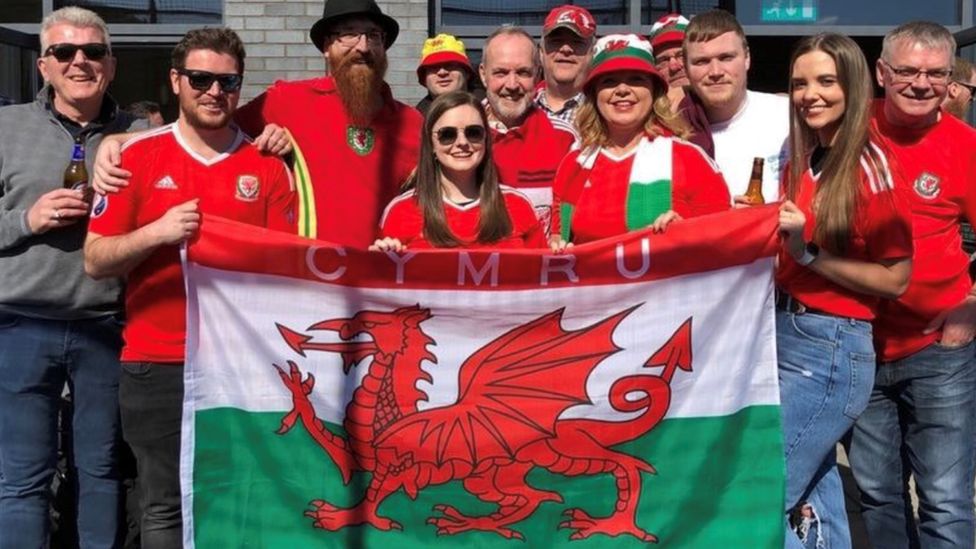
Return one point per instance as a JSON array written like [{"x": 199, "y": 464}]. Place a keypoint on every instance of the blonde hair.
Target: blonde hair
[
  {"x": 839, "y": 185},
  {"x": 76, "y": 17},
  {"x": 593, "y": 128}
]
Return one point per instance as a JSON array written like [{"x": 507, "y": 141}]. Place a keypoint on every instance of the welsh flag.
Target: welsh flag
[{"x": 622, "y": 394}]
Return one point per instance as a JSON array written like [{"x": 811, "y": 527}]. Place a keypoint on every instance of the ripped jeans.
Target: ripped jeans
[{"x": 826, "y": 371}]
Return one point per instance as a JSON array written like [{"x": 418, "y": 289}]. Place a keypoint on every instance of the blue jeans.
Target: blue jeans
[
  {"x": 826, "y": 368},
  {"x": 36, "y": 358},
  {"x": 919, "y": 422}
]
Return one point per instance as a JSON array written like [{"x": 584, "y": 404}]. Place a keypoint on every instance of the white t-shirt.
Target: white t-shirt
[{"x": 760, "y": 128}]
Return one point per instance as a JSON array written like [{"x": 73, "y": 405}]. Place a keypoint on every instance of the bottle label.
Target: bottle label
[{"x": 78, "y": 153}]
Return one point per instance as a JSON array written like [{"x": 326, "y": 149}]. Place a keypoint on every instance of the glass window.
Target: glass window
[
  {"x": 652, "y": 10},
  {"x": 152, "y": 11},
  {"x": 21, "y": 11},
  {"x": 847, "y": 13},
  {"x": 525, "y": 12}
]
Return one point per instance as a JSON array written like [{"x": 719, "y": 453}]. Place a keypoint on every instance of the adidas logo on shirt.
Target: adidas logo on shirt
[{"x": 166, "y": 183}]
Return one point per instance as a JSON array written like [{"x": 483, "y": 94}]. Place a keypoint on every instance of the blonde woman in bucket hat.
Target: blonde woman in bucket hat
[{"x": 634, "y": 169}]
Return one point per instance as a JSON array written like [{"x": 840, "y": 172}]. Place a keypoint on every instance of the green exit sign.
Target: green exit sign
[{"x": 788, "y": 11}]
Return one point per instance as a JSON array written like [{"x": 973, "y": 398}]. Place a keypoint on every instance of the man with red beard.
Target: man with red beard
[
  {"x": 200, "y": 165},
  {"x": 526, "y": 145},
  {"x": 355, "y": 145}
]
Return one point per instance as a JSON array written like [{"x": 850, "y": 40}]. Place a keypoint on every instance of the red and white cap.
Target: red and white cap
[
  {"x": 574, "y": 18},
  {"x": 669, "y": 29}
]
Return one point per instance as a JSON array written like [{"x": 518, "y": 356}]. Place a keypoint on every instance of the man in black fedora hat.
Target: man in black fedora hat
[{"x": 355, "y": 144}]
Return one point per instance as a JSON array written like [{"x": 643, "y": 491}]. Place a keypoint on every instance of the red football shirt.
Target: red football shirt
[
  {"x": 528, "y": 156},
  {"x": 938, "y": 164},
  {"x": 697, "y": 188},
  {"x": 403, "y": 220},
  {"x": 240, "y": 184},
  {"x": 354, "y": 172},
  {"x": 881, "y": 230}
]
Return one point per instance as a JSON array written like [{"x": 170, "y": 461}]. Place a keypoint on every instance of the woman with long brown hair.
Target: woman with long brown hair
[
  {"x": 634, "y": 170},
  {"x": 453, "y": 198},
  {"x": 847, "y": 244}
]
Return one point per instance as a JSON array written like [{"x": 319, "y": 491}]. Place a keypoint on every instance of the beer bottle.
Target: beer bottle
[
  {"x": 754, "y": 192},
  {"x": 76, "y": 175}
]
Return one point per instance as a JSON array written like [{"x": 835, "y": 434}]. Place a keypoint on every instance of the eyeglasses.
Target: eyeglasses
[
  {"x": 66, "y": 52},
  {"x": 665, "y": 60},
  {"x": 970, "y": 87},
  {"x": 351, "y": 38},
  {"x": 447, "y": 135},
  {"x": 909, "y": 74},
  {"x": 202, "y": 80}
]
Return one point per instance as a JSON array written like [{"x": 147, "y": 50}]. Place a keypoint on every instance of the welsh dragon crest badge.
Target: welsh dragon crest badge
[{"x": 360, "y": 139}]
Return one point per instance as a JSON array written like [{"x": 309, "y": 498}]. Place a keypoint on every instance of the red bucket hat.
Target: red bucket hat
[{"x": 622, "y": 52}]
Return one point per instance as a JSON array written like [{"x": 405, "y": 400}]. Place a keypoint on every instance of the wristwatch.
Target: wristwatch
[{"x": 810, "y": 253}]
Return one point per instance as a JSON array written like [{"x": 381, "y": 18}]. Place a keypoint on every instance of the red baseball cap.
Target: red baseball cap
[{"x": 574, "y": 18}]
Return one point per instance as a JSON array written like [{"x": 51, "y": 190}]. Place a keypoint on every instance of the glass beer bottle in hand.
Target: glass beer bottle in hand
[
  {"x": 76, "y": 174},
  {"x": 754, "y": 192}
]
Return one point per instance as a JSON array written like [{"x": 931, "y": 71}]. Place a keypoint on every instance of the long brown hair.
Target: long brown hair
[
  {"x": 592, "y": 126},
  {"x": 839, "y": 185},
  {"x": 494, "y": 223}
]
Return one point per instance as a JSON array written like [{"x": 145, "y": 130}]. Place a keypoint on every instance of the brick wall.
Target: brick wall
[{"x": 278, "y": 46}]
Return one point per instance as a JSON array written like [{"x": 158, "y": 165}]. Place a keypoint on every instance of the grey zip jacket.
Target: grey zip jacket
[{"x": 43, "y": 276}]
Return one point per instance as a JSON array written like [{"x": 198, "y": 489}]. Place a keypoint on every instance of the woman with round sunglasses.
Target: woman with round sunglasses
[
  {"x": 634, "y": 170},
  {"x": 847, "y": 244},
  {"x": 453, "y": 198}
]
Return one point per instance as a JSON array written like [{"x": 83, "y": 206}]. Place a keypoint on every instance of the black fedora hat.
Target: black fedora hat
[{"x": 337, "y": 9}]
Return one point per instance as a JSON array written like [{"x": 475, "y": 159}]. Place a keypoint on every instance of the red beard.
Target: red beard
[{"x": 359, "y": 79}]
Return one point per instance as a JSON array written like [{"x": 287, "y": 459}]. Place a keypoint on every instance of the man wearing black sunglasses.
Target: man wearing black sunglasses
[
  {"x": 199, "y": 166},
  {"x": 56, "y": 324}
]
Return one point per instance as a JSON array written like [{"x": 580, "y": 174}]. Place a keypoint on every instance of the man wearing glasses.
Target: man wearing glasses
[
  {"x": 961, "y": 89},
  {"x": 920, "y": 418},
  {"x": 355, "y": 144},
  {"x": 667, "y": 37},
  {"x": 200, "y": 165},
  {"x": 56, "y": 324}
]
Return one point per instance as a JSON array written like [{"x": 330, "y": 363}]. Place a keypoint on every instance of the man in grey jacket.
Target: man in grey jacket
[{"x": 56, "y": 324}]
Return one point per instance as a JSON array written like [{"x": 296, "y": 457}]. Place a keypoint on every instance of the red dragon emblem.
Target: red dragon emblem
[{"x": 505, "y": 422}]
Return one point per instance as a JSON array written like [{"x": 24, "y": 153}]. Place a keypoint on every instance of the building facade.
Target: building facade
[{"x": 278, "y": 47}]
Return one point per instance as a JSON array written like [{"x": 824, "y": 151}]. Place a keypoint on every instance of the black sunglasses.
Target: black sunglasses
[
  {"x": 447, "y": 135},
  {"x": 66, "y": 52},
  {"x": 202, "y": 80}
]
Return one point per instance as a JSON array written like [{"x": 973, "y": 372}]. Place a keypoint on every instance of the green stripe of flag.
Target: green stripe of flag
[{"x": 719, "y": 483}]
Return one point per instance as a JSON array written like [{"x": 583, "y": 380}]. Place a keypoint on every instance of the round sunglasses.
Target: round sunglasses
[
  {"x": 66, "y": 52},
  {"x": 447, "y": 135},
  {"x": 202, "y": 80}
]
